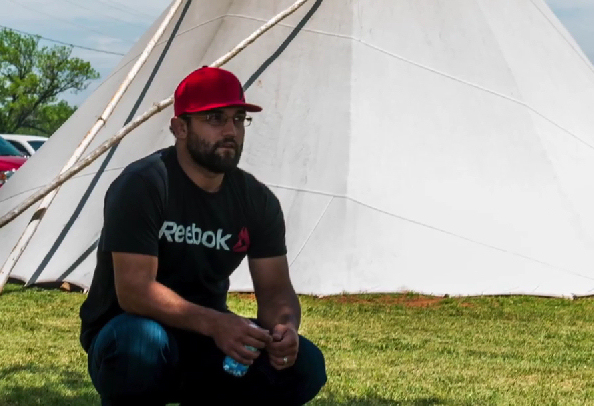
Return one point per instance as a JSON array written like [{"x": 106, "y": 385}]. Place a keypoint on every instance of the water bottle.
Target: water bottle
[{"x": 235, "y": 368}]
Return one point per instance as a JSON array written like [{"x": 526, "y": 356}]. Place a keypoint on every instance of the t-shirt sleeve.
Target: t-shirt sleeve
[
  {"x": 133, "y": 214},
  {"x": 268, "y": 231}
]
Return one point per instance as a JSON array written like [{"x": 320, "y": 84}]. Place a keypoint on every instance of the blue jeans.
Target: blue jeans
[{"x": 135, "y": 360}]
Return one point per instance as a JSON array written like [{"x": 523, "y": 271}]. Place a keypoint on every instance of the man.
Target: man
[{"x": 176, "y": 224}]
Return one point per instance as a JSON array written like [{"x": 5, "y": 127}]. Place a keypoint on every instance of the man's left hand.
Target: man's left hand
[{"x": 284, "y": 347}]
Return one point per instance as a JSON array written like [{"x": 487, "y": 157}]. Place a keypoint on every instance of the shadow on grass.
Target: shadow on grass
[
  {"x": 71, "y": 388},
  {"x": 375, "y": 400},
  {"x": 74, "y": 388},
  {"x": 18, "y": 286},
  {"x": 13, "y": 286}
]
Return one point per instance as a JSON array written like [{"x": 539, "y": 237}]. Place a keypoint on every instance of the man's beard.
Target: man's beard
[{"x": 205, "y": 154}]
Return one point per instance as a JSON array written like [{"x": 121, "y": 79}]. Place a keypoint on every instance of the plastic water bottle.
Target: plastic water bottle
[{"x": 235, "y": 368}]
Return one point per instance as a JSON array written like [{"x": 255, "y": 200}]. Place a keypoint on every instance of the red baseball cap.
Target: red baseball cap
[{"x": 210, "y": 88}]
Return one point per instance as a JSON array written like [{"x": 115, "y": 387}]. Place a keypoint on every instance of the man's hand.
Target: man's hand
[
  {"x": 283, "y": 349},
  {"x": 231, "y": 333}
]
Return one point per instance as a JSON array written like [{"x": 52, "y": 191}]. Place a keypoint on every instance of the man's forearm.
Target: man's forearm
[
  {"x": 282, "y": 308},
  {"x": 160, "y": 303}
]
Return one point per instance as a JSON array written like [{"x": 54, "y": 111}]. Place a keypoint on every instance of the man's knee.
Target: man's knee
[
  {"x": 312, "y": 369},
  {"x": 132, "y": 355}
]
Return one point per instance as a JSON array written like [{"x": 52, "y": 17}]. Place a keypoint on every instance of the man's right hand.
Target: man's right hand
[{"x": 231, "y": 333}]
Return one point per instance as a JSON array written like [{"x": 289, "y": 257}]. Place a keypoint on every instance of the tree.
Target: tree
[{"x": 31, "y": 78}]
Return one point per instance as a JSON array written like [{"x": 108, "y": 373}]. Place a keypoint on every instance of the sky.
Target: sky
[{"x": 113, "y": 26}]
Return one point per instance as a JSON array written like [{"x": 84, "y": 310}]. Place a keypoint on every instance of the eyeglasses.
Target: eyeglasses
[{"x": 219, "y": 119}]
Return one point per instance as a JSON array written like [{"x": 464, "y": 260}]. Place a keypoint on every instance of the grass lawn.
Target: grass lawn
[{"x": 380, "y": 349}]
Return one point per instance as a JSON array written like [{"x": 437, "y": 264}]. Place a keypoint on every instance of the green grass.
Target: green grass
[{"x": 380, "y": 349}]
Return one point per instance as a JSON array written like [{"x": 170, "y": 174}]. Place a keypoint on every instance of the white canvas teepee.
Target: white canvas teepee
[{"x": 440, "y": 147}]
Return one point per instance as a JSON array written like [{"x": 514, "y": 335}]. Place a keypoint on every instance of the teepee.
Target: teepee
[{"x": 442, "y": 147}]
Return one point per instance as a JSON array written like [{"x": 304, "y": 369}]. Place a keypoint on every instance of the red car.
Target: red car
[{"x": 10, "y": 160}]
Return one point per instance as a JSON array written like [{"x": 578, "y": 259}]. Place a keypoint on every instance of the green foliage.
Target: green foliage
[
  {"x": 31, "y": 78},
  {"x": 406, "y": 350}
]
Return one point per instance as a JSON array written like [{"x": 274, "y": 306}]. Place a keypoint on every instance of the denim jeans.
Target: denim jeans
[{"x": 135, "y": 360}]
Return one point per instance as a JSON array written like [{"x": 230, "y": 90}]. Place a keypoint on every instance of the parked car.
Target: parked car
[
  {"x": 27, "y": 144},
  {"x": 11, "y": 159}
]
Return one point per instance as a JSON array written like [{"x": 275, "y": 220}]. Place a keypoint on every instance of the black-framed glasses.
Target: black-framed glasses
[{"x": 219, "y": 119}]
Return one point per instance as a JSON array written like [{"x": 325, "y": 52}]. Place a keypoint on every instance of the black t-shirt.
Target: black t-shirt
[{"x": 200, "y": 238}]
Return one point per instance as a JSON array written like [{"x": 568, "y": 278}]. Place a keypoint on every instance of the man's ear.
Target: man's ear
[{"x": 179, "y": 127}]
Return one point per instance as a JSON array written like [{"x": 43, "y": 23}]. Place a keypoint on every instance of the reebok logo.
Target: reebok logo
[
  {"x": 243, "y": 241},
  {"x": 194, "y": 235}
]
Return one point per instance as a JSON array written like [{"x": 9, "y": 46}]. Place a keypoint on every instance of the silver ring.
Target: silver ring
[{"x": 285, "y": 360}]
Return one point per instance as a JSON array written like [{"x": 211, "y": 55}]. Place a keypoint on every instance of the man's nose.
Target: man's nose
[{"x": 230, "y": 128}]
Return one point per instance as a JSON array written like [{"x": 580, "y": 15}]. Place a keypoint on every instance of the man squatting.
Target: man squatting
[{"x": 177, "y": 223}]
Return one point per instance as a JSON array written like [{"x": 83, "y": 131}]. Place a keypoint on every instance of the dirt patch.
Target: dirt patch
[
  {"x": 246, "y": 296},
  {"x": 392, "y": 299},
  {"x": 404, "y": 299}
]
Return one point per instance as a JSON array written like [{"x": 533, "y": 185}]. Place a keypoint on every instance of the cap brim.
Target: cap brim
[{"x": 252, "y": 108}]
